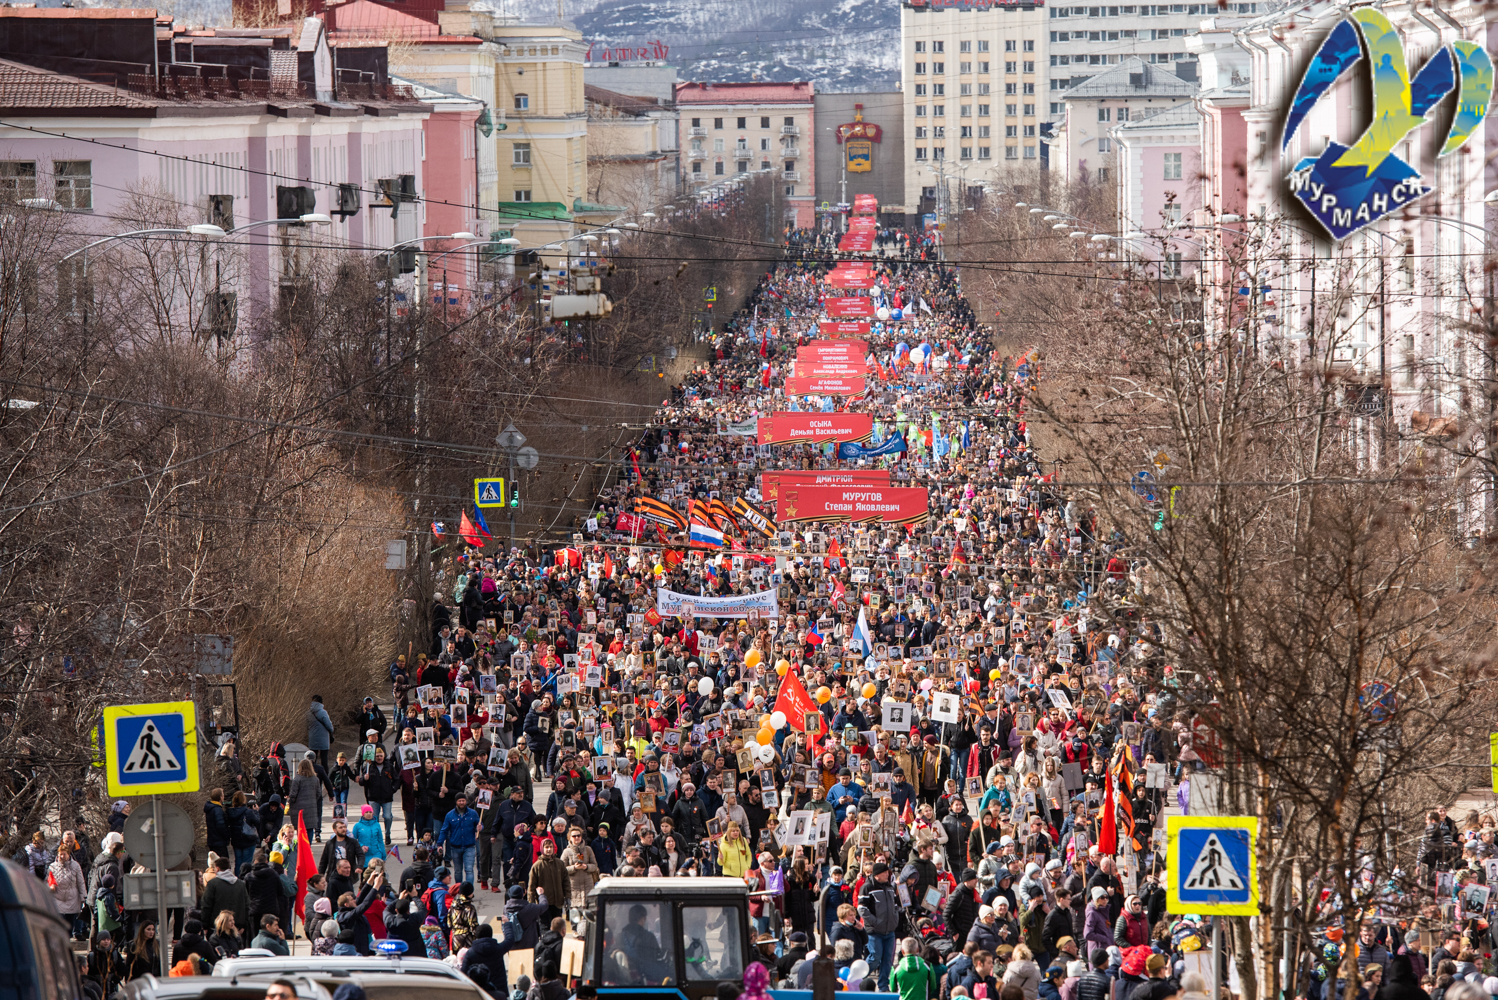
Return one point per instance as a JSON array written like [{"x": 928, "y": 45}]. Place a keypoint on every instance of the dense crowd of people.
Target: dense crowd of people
[{"x": 938, "y": 763}]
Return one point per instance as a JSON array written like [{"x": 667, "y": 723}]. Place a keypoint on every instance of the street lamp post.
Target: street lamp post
[{"x": 204, "y": 230}]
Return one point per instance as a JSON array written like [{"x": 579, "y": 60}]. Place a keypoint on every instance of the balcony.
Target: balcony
[
  {"x": 790, "y": 176},
  {"x": 697, "y": 132},
  {"x": 741, "y": 150},
  {"x": 790, "y": 152},
  {"x": 697, "y": 154},
  {"x": 790, "y": 130}
]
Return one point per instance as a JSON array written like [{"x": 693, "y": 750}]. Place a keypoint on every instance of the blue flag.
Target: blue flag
[{"x": 850, "y": 450}]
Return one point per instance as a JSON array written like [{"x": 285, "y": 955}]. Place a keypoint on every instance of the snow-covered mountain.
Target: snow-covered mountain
[{"x": 840, "y": 45}]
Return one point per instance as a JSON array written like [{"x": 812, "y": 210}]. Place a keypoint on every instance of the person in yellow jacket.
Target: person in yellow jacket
[{"x": 735, "y": 856}]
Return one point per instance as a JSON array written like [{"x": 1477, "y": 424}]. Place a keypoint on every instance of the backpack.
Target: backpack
[
  {"x": 510, "y": 929},
  {"x": 109, "y": 911},
  {"x": 249, "y": 828},
  {"x": 430, "y": 898}
]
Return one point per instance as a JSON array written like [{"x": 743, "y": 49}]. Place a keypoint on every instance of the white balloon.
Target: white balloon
[
  {"x": 767, "y": 753},
  {"x": 777, "y": 720},
  {"x": 882, "y": 313},
  {"x": 858, "y": 970},
  {"x": 705, "y": 686}
]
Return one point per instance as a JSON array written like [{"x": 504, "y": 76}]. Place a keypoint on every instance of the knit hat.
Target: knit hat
[
  {"x": 323, "y": 906},
  {"x": 968, "y": 874},
  {"x": 329, "y": 928},
  {"x": 277, "y": 858}
]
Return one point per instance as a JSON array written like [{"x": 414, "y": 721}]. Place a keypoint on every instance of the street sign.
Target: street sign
[
  {"x": 1211, "y": 866},
  {"x": 1493, "y": 759},
  {"x": 510, "y": 438},
  {"x": 489, "y": 492},
  {"x": 527, "y": 457},
  {"x": 140, "y": 891},
  {"x": 151, "y": 749},
  {"x": 177, "y": 830}
]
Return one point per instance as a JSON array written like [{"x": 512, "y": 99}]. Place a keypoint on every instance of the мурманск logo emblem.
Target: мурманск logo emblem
[{"x": 1349, "y": 187}]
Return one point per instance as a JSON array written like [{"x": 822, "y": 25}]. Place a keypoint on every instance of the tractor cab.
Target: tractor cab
[{"x": 663, "y": 937}]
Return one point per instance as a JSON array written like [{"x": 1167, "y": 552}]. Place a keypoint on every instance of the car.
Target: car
[
  {"x": 151, "y": 987},
  {"x": 659, "y": 937},
  {"x": 332, "y": 966},
  {"x": 36, "y": 953}
]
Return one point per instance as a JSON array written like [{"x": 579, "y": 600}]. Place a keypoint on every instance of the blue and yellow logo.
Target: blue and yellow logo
[{"x": 1349, "y": 187}]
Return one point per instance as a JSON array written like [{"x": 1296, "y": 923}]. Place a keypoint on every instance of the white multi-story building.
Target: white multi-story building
[
  {"x": 975, "y": 78},
  {"x": 737, "y": 128}
]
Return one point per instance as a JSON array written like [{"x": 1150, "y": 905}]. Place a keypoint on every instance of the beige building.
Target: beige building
[
  {"x": 975, "y": 81},
  {"x": 1125, "y": 93},
  {"x": 631, "y": 150},
  {"x": 738, "y": 128}
]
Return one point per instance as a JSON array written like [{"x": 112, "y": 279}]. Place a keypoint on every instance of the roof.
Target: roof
[
  {"x": 744, "y": 93},
  {"x": 612, "y": 885},
  {"x": 1132, "y": 77},
  {"x": 1184, "y": 114},
  {"x": 26, "y": 90},
  {"x": 551, "y": 211},
  {"x": 363, "y": 20},
  {"x": 439, "y": 99},
  {"x": 626, "y": 103}
]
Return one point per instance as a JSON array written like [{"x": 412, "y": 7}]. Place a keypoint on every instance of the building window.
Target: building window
[
  {"x": 764, "y": 164},
  {"x": 938, "y": 90},
  {"x": 764, "y": 121},
  {"x": 717, "y": 123},
  {"x": 743, "y": 166},
  {"x": 965, "y": 132},
  {"x": 983, "y": 68},
  {"x": 1029, "y": 65},
  {"x": 790, "y": 120},
  {"x": 790, "y": 165},
  {"x": 920, "y": 69},
  {"x": 718, "y": 169},
  {"x": 1029, "y": 109},
  {"x": 1057, "y": 108},
  {"x": 1029, "y": 45},
  {"x": 743, "y": 123},
  {"x": 938, "y": 67},
  {"x": 966, "y": 153},
  {"x": 522, "y": 102},
  {"x": 1011, "y": 109},
  {"x": 983, "y": 111},
  {"x": 696, "y": 122},
  {"x": 1170, "y": 267},
  {"x": 1029, "y": 152},
  {"x": 1105, "y": 114},
  {"x": 966, "y": 67},
  {"x": 1011, "y": 88},
  {"x": 1011, "y": 152},
  {"x": 1009, "y": 44},
  {"x": 1011, "y": 131},
  {"x": 964, "y": 46},
  {"x": 982, "y": 45},
  {"x": 939, "y": 132},
  {"x": 17, "y": 179},
  {"x": 764, "y": 144},
  {"x": 920, "y": 90},
  {"x": 964, "y": 110},
  {"x": 1029, "y": 88},
  {"x": 1123, "y": 114},
  {"x": 1172, "y": 166},
  {"x": 920, "y": 111},
  {"x": 1105, "y": 145},
  {"x": 1010, "y": 65},
  {"x": 1171, "y": 214},
  {"x": 717, "y": 145},
  {"x": 985, "y": 153},
  {"x": 72, "y": 184},
  {"x": 939, "y": 153},
  {"x": 938, "y": 46},
  {"x": 939, "y": 110},
  {"x": 1102, "y": 174},
  {"x": 696, "y": 168},
  {"x": 1029, "y": 131},
  {"x": 920, "y": 152},
  {"x": 983, "y": 131},
  {"x": 524, "y": 195},
  {"x": 790, "y": 190},
  {"x": 920, "y": 46},
  {"x": 920, "y": 131},
  {"x": 521, "y": 155}
]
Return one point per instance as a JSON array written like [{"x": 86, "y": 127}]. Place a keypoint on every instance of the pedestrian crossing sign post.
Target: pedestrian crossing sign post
[
  {"x": 151, "y": 749},
  {"x": 1212, "y": 865},
  {"x": 489, "y": 492}
]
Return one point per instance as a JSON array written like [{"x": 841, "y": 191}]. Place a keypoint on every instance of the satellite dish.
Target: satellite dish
[{"x": 527, "y": 457}]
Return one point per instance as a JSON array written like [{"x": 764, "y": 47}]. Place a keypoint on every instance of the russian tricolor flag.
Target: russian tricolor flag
[
  {"x": 862, "y": 634},
  {"x": 704, "y": 534}
]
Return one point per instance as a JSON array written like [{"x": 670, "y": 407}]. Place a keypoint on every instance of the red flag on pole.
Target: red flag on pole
[
  {"x": 1107, "y": 838},
  {"x": 306, "y": 868},
  {"x": 469, "y": 533},
  {"x": 796, "y": 704}
]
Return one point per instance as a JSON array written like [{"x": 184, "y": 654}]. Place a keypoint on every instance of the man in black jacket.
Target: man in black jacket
[
  {"x": 1058, "y": 923},
  {"x": 961, "y": 911},
  {"x": 489, "y": 952},
  {"x": 879, "y": 906},
  {"x": 373, "y": 717},
  {"x": 1097, "y": 984}
]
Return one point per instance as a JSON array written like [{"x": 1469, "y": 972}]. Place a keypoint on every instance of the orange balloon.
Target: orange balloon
[
  {"x": 824, "y": 695},
  {"x": 753, "y": 658},
  {"x": 764, "y": 721},
  {"x": 869, "y": 690},
  {"x": 782, "y": 667},
  {"x": 764, "y": 736}
]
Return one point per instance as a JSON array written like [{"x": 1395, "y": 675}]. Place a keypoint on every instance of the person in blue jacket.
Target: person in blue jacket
[
  {"x": 844, "y": 795},
  {"x": 459, "y": 836}
]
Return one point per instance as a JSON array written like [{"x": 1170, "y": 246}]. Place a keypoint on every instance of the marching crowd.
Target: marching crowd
[{"x": 939, "y": 765}]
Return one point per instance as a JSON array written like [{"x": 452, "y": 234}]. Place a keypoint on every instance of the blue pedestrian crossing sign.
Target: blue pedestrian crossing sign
[
  {"x": 1212, "y": 865},
  {"x": 489, "y": 492},
  {"x": 151, "y": 749}
]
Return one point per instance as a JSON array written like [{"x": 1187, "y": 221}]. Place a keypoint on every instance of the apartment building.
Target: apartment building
[
  {"x": 736, "y": 128},
  {"x": 1126, "y": 92},
  {"x": 975, "y": 79}
]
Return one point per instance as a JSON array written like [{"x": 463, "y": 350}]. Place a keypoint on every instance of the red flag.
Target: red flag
[
  {"x": 797, "y": 704},
  {"x": 908, "y": 816},
  {"x": 306, "y": 868},
  {"x": 634, "y": 456},
  {"x": 469, "y": 533},
  {"x": 1107, "y": 838},
  {"x": 608, "y": 567}
]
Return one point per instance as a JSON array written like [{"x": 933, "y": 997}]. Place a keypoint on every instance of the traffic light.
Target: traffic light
[{"x": 515, "y": 497}]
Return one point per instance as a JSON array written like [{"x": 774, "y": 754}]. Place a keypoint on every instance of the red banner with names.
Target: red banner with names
[
  {"x": 852, "y": 306},
  {"x": 771, "y": 483},
  {"x": 857, "y": 504},
  {"x": 826, "y": 385},
  {"x": 806, "y": 428},
  {"x": 858, "y": 328}
]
